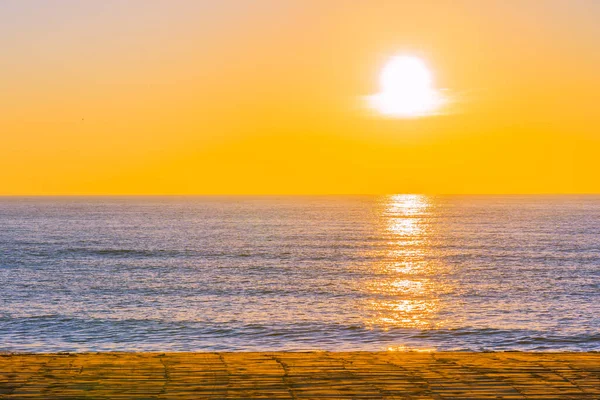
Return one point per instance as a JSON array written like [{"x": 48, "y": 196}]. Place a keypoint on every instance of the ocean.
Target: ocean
[{"x": 399, "y": 272}]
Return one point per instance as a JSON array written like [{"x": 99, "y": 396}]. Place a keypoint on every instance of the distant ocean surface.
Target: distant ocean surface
[{"x": 297, "y": 273}]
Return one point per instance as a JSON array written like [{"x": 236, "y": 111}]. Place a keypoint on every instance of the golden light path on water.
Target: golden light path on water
[{"x": 405, "y": 294}]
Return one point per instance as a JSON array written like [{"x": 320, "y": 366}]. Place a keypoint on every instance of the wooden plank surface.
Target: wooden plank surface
[{"x": 312, "y": 375}]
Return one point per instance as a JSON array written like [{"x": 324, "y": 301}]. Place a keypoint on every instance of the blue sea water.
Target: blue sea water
[{"x": 296, "y": 273}]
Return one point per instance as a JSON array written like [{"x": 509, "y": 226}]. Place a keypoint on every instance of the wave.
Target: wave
[{"x": 78, "y": 334}]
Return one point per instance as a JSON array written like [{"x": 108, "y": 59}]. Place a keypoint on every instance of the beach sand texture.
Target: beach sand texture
[{"x": 306, "y": 375}]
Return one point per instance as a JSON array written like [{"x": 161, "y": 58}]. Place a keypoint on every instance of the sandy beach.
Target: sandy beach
[{"x": 295, "y": 375}]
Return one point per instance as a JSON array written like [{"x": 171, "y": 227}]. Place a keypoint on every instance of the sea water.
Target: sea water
[{"x": 394, "y": 272}]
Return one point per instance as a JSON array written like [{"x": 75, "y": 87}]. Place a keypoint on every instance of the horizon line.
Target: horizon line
[{"x": 295, "y": 194}]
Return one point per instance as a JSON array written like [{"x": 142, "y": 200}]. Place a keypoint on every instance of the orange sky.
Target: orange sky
[{"x": 266, "y": 97}]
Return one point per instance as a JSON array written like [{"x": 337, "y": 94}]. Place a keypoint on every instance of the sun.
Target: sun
[{"x": 406, "y": 89}]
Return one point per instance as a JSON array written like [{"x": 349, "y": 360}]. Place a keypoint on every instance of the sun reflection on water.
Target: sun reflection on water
[
  {"x": 403, "y": 348},
  {"x": 404, "y": 293}
]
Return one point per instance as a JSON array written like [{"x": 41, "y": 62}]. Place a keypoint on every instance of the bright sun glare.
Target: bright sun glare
[{"x": 407, "y": 89}]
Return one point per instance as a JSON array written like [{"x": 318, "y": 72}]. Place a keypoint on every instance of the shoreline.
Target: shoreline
[
  {"x": 311, "y": 351},
  {"x": 294, "y": 375}
]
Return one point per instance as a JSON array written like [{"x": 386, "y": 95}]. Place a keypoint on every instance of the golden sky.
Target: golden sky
[{"x": 267, "y": 97}]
